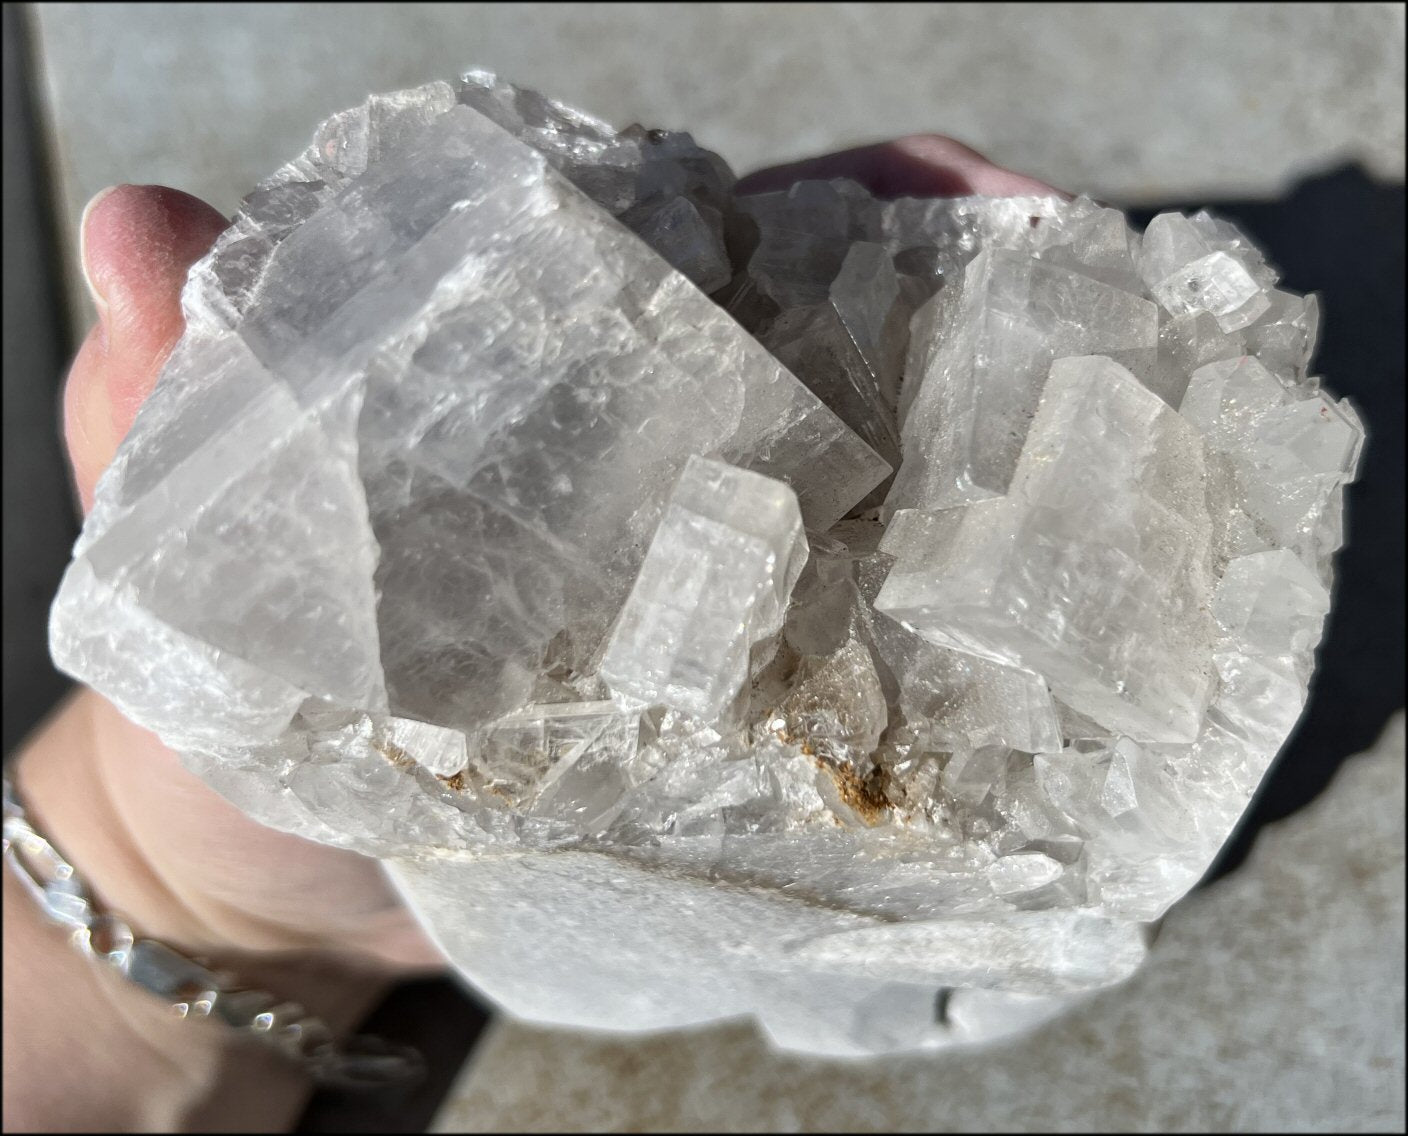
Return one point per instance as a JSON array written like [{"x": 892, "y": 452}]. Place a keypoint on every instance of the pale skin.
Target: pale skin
[{"x": 324, "y": 927}]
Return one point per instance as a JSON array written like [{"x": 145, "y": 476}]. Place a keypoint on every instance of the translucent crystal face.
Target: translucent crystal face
[{"x": 836, "y": 599}]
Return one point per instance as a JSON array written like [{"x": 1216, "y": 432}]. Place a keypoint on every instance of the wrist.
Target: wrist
[
  {"x": 169, "y": 1072},
  {"x": 185, "y": 866},
  {"x": 85, "y": 1050}
]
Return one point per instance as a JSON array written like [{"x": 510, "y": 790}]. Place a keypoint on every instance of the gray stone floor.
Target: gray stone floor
[
  {"x": 1273, "y": 1001},
  {"x": 1131, "y": 102}
]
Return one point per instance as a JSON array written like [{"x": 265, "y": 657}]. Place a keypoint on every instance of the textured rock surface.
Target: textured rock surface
[
  {"x": 1272, "y": 1001},
  {"x": 464, "y": 528}
]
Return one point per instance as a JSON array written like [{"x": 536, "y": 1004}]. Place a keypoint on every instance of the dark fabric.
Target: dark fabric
[
  {"x": 441, "y": 1019},
  {"x": 40, "y": 523}
]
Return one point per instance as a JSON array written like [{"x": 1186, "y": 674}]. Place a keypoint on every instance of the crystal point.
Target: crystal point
[
  {"x": 1056, "y": 576},
  {"x": 965, "y": 427}
]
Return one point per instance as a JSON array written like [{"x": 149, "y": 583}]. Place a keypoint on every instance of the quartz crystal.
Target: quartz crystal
[
  {"x": 1011, "y": 317},
  {"x": 869, "y": 616},
  {"x": 1200, "y": 264}
]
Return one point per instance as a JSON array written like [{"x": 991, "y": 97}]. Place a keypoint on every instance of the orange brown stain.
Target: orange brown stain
[
  {"x": 395, "y": 754},
  {"x": 866, "y": 797}
]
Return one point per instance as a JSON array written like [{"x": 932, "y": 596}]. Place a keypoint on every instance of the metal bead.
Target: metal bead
[
  {"x": 41, "y": 859},
  {"x": 278, "y": 1016},
  {"x": 304, "y": 1036},
  {"x": 240, "y": 1007},
  {"x": 67, "y": 905},
  {"x": 162, "y": 971},
  {"x": 200, "y": 1005},
  {"x": 111, "y": 938}
]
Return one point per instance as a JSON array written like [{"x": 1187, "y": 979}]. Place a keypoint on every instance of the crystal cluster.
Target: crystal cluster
[{"x": 867, "y": 615}]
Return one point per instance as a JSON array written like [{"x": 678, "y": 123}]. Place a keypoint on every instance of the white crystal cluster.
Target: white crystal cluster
[{"x": 794, "y": 604}]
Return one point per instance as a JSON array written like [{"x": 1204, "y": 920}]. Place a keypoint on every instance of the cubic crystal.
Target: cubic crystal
[
  {"x": 1094, "y": 571},
  {"x": 966, "y": 425},
  {"x": 1198, "y": 264}
]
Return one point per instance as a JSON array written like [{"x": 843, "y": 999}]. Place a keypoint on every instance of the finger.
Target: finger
[
  {"x": 136, "y": 243},
  {"x": 918, "y": 165}
]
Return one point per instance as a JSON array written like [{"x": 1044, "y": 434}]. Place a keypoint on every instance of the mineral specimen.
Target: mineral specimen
[{"x": 865, "y": 615}]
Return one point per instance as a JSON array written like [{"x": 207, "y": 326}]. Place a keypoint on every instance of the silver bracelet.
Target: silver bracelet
[{"x": 192, "y": 989}]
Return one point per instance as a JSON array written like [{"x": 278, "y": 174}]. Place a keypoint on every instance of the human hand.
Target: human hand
[
  {"x": 160, "y": 847},
  {"x": 918, "y": 165},
  {"x": 225, "y": 881}
]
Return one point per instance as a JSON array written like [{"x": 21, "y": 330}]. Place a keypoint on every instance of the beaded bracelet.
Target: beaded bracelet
[{"x": 193, "y": 989}]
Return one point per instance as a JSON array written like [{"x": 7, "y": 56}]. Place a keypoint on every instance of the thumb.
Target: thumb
[{"x": 136, "y": 243}]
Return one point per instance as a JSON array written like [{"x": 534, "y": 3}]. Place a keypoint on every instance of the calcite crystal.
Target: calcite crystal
[
  {"x": 714, "y": 583},
  {"x": 1103, "y": 593},
  {"x": 866, "y": 615}
]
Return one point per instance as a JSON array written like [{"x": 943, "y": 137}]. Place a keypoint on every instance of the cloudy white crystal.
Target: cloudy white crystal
[
  {"x": 1016, "y": 314},
  {"x": 1102, "y": 592},
  {"x": 918, "y": 609},
  {"x": 714, "y": 583},
  {"x": 1199, "y": 264}
]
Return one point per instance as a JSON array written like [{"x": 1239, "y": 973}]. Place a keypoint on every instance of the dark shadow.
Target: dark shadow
[
  {"x": 1342, "y": 234},
  {"x": 437, "y": 1016},
  {"x": 40, "y": 522}
]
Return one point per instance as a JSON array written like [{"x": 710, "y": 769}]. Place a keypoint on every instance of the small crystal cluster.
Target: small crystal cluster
[{"x": 794, "y": 603}]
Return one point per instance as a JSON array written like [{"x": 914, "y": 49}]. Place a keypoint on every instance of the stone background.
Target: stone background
[
  {"x": 1143, "y": 103},
  {"x": 1275, "y": 996},
  {"x": 1140, "y": 104}
]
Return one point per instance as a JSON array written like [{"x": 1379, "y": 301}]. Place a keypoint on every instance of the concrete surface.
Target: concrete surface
[
  {"x": 1273, "y": 1001},
  {"x": 1132, "y": 102}
]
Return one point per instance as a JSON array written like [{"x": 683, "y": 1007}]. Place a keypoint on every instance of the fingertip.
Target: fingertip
[
  {"x": 137, "y": 241},
  {"x": 916, "y": 165},
  {"x": 957, "y": 162},
  {"x": 84, "y": 257}
]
